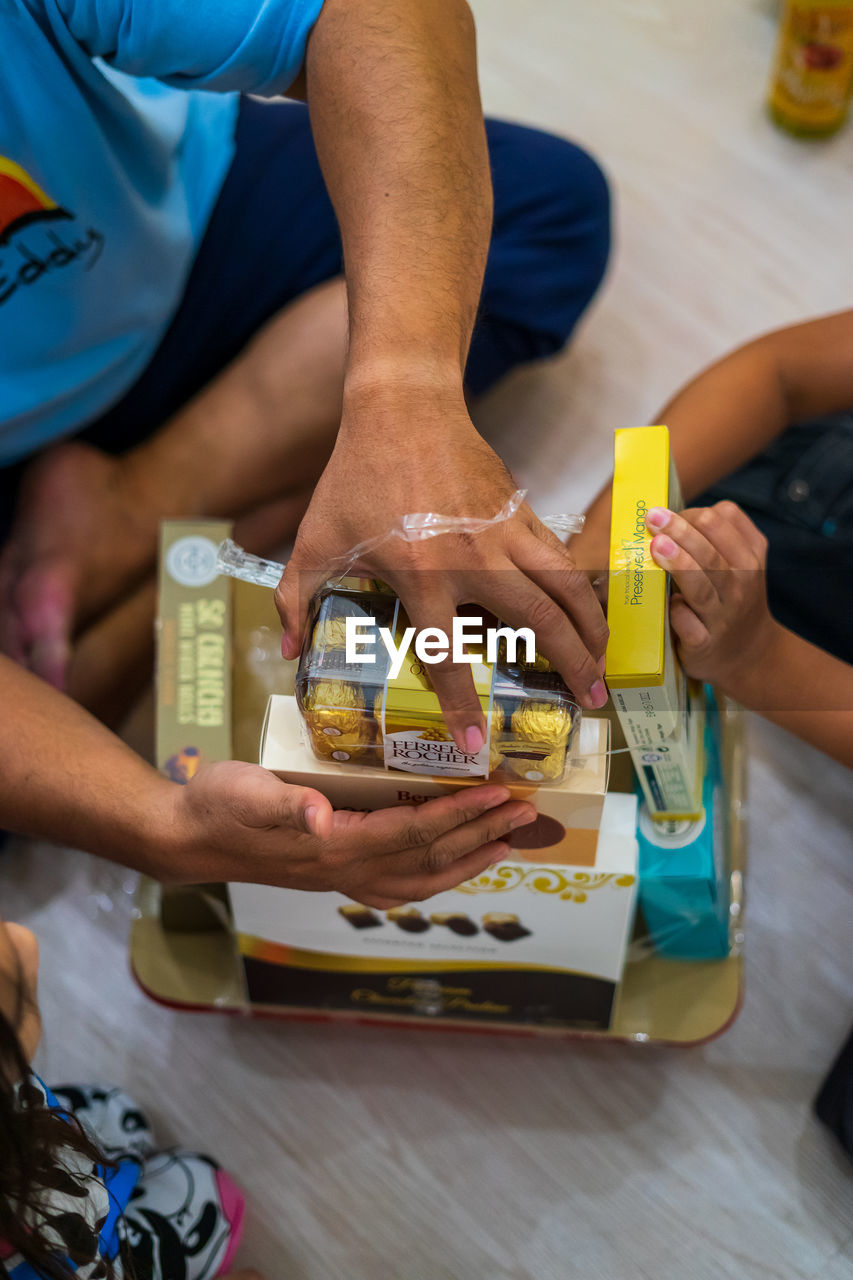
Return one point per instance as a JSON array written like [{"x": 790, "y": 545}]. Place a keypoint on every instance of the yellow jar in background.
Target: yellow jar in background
[{"x": 812, "y": 78}]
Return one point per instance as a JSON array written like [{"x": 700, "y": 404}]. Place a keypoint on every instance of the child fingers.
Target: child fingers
[
  {"x": 690, "y": 630},
  {"x": 750, "y": 534},
  {"x": 692, "y": 536},
  {"x": 694, "y": 582},
  {"x": 725, "y": 538}
]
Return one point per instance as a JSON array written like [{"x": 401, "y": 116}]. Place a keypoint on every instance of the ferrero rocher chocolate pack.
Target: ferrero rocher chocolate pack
[{"x": 368, "y": 713}]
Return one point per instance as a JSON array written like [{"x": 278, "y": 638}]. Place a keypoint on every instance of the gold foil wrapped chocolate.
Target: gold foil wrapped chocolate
[
  {"x": 539, "y": 663},
  {"x": 330, "y": 634},
  {"x": 547, "y": 723},
  {"x": 537, "y": 751},
  {"x": 335, "y": 707},
  {"x": 495, "y": 746},
  {"x": 336, "y": 720}
]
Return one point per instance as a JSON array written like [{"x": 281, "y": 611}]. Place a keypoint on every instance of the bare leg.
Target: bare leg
[
  {"x": 112, "y": 662},
  {"x": 266, "y": 426},
  {"x": 249, "y": 444}
]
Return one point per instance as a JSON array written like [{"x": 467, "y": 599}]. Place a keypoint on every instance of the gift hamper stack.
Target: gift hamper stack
[{"x": 618, "y": 911}]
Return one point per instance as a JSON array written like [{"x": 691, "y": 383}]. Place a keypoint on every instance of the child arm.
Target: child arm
[
  {"x": 727, "y": 635},
  {"x": 734, "y": 409}
]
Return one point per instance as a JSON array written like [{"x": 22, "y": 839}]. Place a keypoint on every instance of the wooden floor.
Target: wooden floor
[{"x": 372, "y": 1155}]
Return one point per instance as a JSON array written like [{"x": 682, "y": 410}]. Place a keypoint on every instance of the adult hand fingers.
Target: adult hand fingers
[
  {"x": 552, "y": 568},
  {"x": 414, "y": 888},
  {"x": 519, "y": 602},
  {"x": 692, "y": 537},
  {"x": 259, "y": 801},
  {"x": 293, "y": 594},
  {"x": 453, "y": 682},
  {"x": 489, "y": 827},
  {"x": 726, "y": 539},
  {"x": 304, "y": 809},
  {"x": 408, "y": 828}
]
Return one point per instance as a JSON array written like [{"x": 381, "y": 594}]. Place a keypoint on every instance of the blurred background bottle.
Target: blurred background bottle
[{"x": 812, "y": 79}]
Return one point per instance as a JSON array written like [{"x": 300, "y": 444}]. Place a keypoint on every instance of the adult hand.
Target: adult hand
[
  {"x": 83, "y": 535},
  {"x": 399, "y": 457},
  {"x": 720, "y": 616},
  {"x": 237, "y": 821}
]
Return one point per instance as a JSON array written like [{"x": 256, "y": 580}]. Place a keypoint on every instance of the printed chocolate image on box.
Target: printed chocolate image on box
[{"x": 359, "y": 917}]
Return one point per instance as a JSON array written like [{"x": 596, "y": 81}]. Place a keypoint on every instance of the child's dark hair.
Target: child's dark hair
[{"x": 31, "y": 1139}]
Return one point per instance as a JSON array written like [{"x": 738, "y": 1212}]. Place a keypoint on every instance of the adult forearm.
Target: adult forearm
[
  {"x": 68, "y": 779},
  {"x": 395, "y": 108}
]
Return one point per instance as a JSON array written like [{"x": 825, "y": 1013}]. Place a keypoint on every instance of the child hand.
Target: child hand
[{"x": 720, "y": 616}]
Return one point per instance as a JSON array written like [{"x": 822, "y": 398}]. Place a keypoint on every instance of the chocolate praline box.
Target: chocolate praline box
[{"x": 538, "y": 938}]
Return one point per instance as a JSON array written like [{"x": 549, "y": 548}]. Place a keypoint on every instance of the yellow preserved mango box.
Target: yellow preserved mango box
[{"x": 660, "y": 715}]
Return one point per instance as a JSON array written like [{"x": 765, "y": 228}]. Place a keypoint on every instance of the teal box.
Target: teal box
[{"x": 685, "y": 887}]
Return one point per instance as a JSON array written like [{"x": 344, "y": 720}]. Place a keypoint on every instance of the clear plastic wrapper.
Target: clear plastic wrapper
[
  {"x": 416, "y": 527},
  {"x": 369, "y": 713},
  {"x": 364, "y": 712}
]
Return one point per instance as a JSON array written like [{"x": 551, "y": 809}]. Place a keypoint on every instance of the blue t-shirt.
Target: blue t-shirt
[{"x": 113, "y": 149}]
